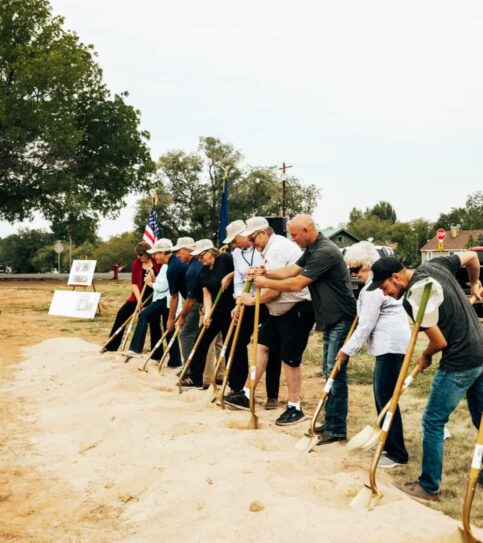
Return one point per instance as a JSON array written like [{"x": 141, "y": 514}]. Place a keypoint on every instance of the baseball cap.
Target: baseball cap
[
  {"x": 163, "y": 245},
  {"x": 201, "y": 246},
  {"x": 436, "y": 297},
  {"x": 184, "y": 243},
  {"x": 383, "y": 269},
  {"x": 233, "y": 230},
  {"x": 255, "y": 224}
]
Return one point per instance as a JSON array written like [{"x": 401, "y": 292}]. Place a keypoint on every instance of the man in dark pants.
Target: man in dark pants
[
  {"x": 175, "y": 274},
  {"x": 458, "y": 335},
  {"x": 322, "y": 269},
  {"x": 245, "y": 256}
]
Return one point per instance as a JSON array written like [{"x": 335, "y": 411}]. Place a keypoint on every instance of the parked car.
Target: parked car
[{"x": 463, "y": 280}]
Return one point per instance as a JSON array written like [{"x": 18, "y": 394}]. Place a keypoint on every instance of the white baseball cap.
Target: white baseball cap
[
  {"x": 255, "y": 224},
  {"x": 201, "y": 246},
  {"x": 436, "y": 298},
  {"x": 233, "y": 230},
  {"x": 184, "y": 243},
  {"x": 163, "y": 245}
]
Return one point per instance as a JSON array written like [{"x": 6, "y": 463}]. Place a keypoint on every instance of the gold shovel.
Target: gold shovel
[
  {"x": 370, "y": 495},
  {"x": 310, "y": 438},
  {"x": 168, "y": 348},
  {"x": 229, "y": 364},
  {"x": 476, "y": 464},
  {"x": 253, "y": 422},
  {"x": 137, "y": 310},
  {"x": 143, "y": 368},
  {"x": 197, "y": 342},
  {"x": 234, "y": 324},
  {"x": 369, "y": 435},
  {"x": 123, "y": 325}
]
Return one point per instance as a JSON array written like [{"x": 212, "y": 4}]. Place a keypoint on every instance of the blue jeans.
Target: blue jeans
[
  {"x": 337, "y": 402},
  {"x": 386, "y": 372},
  {"x": 446, "y": 392}
]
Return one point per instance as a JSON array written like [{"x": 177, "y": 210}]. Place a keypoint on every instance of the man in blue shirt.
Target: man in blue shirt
[{"x": 189, "y": 316}]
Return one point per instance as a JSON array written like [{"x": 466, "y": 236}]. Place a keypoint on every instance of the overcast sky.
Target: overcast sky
[{"x": 370, "y": 100}]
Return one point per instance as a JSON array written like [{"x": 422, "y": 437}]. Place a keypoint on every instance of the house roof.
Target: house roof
[
  {"x": 451, "y": 244},
  {"x": 331, "y": 232}
]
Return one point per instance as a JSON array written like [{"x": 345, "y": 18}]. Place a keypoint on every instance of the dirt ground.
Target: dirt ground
[{"x": 94, "y": 451}]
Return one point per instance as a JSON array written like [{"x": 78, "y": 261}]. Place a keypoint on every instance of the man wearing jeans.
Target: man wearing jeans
[
  {"x": 459, "y": 336},
  {"x": 321, "y": 268}
]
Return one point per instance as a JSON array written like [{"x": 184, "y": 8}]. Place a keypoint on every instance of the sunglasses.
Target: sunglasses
[{"x": 356, "y": 270}]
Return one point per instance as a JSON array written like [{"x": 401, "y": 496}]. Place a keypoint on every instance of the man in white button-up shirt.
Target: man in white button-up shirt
[
  {"x": 289, "y": 323},
  {"x": 246, "y": 256}
]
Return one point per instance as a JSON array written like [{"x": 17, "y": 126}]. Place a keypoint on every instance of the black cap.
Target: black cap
[{"x": 382, "y": 269}]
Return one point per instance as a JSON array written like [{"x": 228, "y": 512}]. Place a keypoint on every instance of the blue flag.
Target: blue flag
[
  {"x": 224, "y": 220},
  {"x": 151, "y": 232}
]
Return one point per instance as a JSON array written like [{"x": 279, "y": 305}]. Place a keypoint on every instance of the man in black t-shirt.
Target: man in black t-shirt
[
  {"x": 322, "y": 269},
  {"x": 459, "y": 336}
]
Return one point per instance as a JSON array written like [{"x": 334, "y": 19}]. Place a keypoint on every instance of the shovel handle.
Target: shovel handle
[
  {"x": 197, "y": 342},
  {"x": 328, "y": 385},
  {"x": 476, "y": 465},
  {"x": 386, "y": 425}
]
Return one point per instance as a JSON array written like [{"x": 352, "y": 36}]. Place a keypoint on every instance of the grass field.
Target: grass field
[{"x": 25, "y": 322}]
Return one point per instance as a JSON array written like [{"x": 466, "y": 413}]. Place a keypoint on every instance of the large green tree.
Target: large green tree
[
  {"x": 469, "y": 217},
  {"x": 67, "y": 146},
  {"x": 189, "y": 189}
]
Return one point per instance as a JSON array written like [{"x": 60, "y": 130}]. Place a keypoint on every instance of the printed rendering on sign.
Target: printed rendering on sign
[
  {"x": 68, "y": 303},
  {"x": 82, "y": 273}
]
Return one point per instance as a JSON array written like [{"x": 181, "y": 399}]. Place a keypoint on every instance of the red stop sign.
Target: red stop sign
[{"x": 441, "y": 234}]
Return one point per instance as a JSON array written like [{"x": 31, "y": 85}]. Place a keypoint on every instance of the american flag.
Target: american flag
[{"x": 151, "y": 232}]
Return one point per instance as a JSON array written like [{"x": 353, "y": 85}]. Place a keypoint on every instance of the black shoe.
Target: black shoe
[
  {"x": 480, "y": 478},
  {"x": 174, "y": 365},
  {"x": 291, "y": 415},
  {"x": 238, "y": 401},
  {"x": 327, "y": 438},
  {"x": 320, "y": 429}
]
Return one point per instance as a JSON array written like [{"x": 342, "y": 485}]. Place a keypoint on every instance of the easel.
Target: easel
[{"x": 98, "y": 309}]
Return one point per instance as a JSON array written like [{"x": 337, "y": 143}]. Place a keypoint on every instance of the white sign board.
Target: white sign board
[
  {"x": 82, "y": 273},
  {"x": 70, "y": 303}
]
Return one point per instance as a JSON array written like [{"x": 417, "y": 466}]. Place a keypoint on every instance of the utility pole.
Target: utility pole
[{"x": 284, "y": 169}]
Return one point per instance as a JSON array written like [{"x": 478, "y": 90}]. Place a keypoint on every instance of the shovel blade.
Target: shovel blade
[
  {"x": 365, "y": 499},
  {"x": 464, "y": 537},
  {"x": 253, "y": 422},
  {"x": 307, "y": 443},
  {"x": 361, "y": 438},
  {"x": 372, "y": 441}
]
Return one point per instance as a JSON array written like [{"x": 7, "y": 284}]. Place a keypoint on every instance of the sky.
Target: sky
[{"x": 369, "y": 101}]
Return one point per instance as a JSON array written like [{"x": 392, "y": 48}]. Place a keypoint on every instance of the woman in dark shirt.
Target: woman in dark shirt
[
  {"x": 215, "y": 266},
  {"x": 141, "y": 266}
]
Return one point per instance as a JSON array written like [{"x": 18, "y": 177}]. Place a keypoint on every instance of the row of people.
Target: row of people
[{"x": 298, "y": 288}]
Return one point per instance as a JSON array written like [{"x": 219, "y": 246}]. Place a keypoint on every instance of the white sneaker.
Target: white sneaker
[
  {"x": 387, "y": 463},
  {"x": 131, "y": 354}
]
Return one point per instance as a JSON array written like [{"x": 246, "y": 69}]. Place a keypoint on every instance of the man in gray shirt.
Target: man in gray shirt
[
  {"x": 321, "y": 268},
  {"x": 458, "y": 335}
]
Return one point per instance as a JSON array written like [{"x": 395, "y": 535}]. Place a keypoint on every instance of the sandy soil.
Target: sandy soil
[{"x": 103, "y": 452}]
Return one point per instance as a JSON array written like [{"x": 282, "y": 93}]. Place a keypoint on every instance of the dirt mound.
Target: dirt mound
[{"x": 133, "y": 460}]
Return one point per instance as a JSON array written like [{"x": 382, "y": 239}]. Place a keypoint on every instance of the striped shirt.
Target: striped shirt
[{"x": 280, "y": 253}]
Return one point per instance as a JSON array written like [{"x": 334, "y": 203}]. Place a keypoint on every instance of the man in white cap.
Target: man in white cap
[
  {"x": 158, "y": 308},
  {"x": 323, "y": 271},
  {"x": 188, "y": 319},
  {"x": 458, "y": 335},
  {"x": 246, "y": 256},
  {"x": 289, "y": 324}
]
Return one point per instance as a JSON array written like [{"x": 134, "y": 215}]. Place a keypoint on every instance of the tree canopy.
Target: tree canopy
[
  {"x": 67, "y": 146},
  {"x": 189, "y": 189}
]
